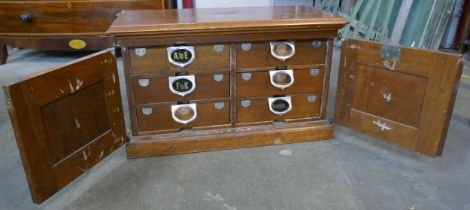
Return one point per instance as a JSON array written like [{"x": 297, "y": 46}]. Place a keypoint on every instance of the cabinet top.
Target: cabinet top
[{"x": 210, "y": 21}]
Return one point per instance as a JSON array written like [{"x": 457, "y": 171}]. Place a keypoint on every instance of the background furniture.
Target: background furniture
[{"x": 62, "y": 25}]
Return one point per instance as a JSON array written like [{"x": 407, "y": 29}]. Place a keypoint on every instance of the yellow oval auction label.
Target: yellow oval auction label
[{"x": 77, "y": 44}]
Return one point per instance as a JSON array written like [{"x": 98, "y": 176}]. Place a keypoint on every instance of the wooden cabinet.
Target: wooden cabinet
[
  {"x": 62, "y": 25},
  {"x": 210, "y": 79}
]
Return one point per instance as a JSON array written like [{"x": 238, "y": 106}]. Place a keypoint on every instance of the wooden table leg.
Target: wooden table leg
[{"x": 3, "y": 53}]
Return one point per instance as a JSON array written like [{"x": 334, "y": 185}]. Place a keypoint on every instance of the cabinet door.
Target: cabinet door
[
  {"x": 401, "y": 95},
  {"x": 66, "y": 120}
]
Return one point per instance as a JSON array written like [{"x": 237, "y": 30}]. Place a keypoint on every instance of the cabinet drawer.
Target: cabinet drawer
[
  {"x": 157, "y": 88},
  {"x": 65, "y": 16},
  {"x": 158, "y": 117},
  {"x": 258, "y": 109},
  {"x": 279, "y": 82},
  {"x": 258, "y": 55},
  {"x": 206, "y": 57}
]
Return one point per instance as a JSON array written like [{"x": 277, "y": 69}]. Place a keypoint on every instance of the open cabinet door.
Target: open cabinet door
[
  {"x": 66, "y": 120},
  {"x": 401, "y": 95}
]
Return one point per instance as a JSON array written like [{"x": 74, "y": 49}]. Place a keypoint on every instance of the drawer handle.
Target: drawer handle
[
  {"x": 282, "y": 50},
  {"x": 147, "y": 111},
  {"x": 144, "y": 82},
  {"x": 280, "y": 105},
  {"x": 182, "y": 85},
  {"x": 26, "y": 18},
  {"x": 282, "y": 79},
  {"x": 184, "y": 113},
  {"x": 181, "y": 55}
]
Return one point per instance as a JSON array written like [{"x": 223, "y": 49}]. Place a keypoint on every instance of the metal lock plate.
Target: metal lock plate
[
  {"x": 140, "y": 52},
  {"x": 181, "y": 55},
  {"x": 175, "y": 108},
  {"x": 218, "y": 77},
  {"x": 144, "y": 82},
  {"x": 182, "y": 85},
  {"x": 316, "y": 44},
  {"x": 147, "y": 111},
  {"x": 219, "y": 105},
  {"x": 273, "y": 46},
  {"x": 218, "y": 48},
  {"x": 311, "y": 98},
  {"x": 246, "y": 46},
  {"x": 280, "y": 105},
  {"x": 390, "y": 52},
  {"x": 245, "y": 103},
  {"x": 289, "y": 74},
  {"x": 314, "y": 72},
  {"x": 246, "y": 76}
]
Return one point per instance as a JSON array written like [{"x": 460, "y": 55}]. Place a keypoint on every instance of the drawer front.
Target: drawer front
[
  {"x": 257, "y": 109},
  {"x": 258, "y": 55},
  {"x": 158, "y": 117},
  {"x": 156, "y": 88},
  {"x": 264, "y": 83},
  {"x": 154, "y": 60},
  {"x": 65, "y": 16}
]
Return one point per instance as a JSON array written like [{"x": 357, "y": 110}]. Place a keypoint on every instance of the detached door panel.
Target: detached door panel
[
  {"x": 66, "y": 120},
  {"x": 402, "y": 95}
]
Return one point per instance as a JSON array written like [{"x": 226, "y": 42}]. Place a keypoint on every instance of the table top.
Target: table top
[{"x": 223, "y": 20}]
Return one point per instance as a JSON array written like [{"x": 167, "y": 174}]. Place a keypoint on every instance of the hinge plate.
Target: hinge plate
[{"x": 6, "y": 93}]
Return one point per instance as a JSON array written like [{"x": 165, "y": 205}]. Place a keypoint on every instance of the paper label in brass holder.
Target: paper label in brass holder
[
  {"x": 280, "y": 105},
  {"x": 282, "y": 79},
  {"x": 282, "y": 50},
  {"x": 182, "y": 85},
  {"x": 181, "y": 55},
  {"x": 184, "y": 113}
]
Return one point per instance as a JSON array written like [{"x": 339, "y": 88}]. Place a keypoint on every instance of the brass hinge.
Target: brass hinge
[{"x": 6, "y": 93}]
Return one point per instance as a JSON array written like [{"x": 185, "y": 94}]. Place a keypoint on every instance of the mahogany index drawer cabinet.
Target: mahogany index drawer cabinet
[{"x": 209, "y": 79}]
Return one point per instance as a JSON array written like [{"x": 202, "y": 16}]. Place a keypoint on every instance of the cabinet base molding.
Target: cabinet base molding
[{"x": 230, "y": 138}]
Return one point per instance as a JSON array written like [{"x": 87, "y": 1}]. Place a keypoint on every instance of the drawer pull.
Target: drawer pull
[
  {"x": 245, "y": 103},
  {"x": 314, "y": 72},
  {"x": 181, "y": 55},
  {"x": 218, "y": 77},
  {"x": 218, "y": 48},
  {"x": 219, "y": 105},
  {"x": 246, "y": 76},
  {"x": 282, "y": 79},
  {"x": 140, "y": 52},
  {"x": 26, "y": 18},
  {"x": 182, "y": 85},
  {"x": 282, "y": 50},
  {"x": 280, "y": 105},
  {"x": 184, "y": 113},
  {"x": 144, "y": 82},
  {"x": 316, "y": 44},
  {"x": 311, "y": 98},
  {"x": 147, "y": 111},
  {"x": 246, "y": 46}
]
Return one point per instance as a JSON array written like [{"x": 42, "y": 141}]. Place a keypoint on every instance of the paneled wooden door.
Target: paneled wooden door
[
  {"x": 66, "y": 120},
  {"x": 398, "y": 94}
]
